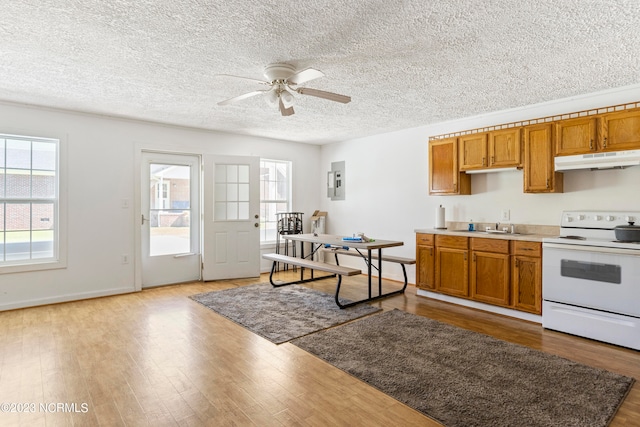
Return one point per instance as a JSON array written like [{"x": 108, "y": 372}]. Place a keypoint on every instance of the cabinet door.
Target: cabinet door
[
  {"x": 539, "y": 174},
  {"x": 425, "y": 257},
  {"x": 444, "y": 176},
  {"x": 576, "y": 136},
  {"x": 490, "y": 278},
  {"x": 527, "y": 284},
  {"x": 505, "y": 148},
  {"x": 452, "y": 271},
  {"x": 473, "y": 151},
  {"x": 620, "y": 131}
]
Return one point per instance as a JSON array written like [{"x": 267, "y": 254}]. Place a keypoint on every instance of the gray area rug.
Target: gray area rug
[
  {"x": 464, "y": 379},
  {"x": 281, "y": 314}
]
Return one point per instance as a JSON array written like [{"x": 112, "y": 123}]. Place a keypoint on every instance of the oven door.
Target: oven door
[{"x": 594, "y": 277}]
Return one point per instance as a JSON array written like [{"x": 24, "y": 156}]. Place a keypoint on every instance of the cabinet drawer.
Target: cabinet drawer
[
  {"x": 521, "y": 247},
  {"x": 453, "y": 242},
  {"x": 424, "y": 239},
  {"x": 498, "y": 246}
]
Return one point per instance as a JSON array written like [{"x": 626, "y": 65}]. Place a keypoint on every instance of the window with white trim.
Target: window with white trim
[
  {"x": 275, "y": 195},
  {"x": 29, "y": 200}
]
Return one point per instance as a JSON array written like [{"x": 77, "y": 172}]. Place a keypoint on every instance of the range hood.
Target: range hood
[{"x": 608, "y": 160}]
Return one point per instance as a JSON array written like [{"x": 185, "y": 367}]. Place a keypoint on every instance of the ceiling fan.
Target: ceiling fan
[{"x": 283, "y": 82}]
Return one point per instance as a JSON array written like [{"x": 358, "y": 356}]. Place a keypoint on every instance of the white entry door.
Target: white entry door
[
  {"x": 170, "y": 219},
  {"x": 231, "y": 217}
]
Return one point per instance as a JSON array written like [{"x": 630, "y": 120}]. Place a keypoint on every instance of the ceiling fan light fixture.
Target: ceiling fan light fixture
[{"x": 272, "y": 98}]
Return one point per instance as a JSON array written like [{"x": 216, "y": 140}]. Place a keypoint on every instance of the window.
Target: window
[
  {"x": 29, "y": 201},
  {"x": 275, "y": 195}
]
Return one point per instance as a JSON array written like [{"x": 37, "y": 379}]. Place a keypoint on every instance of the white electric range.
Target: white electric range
[{"x": 590, "y": 281}]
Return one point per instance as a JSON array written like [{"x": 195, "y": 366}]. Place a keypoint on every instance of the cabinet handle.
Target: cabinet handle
[
  {"x": 474, "y": 257},
  {"x": 493, "y": 159},
  {"x": 484, "y": 161},
  {"x": 604, "y": 142},
  {"x": 431, "y": 252},
  {"x": 591, "y": 144},
  {"x": 465, "y": 256},
  {"x": 547, "y": 182},
  {"x": 517, "y": 263}
]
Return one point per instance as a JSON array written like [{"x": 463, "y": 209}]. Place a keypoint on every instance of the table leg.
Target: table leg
[
  {"x": 369, "y": 270},
  {"x": 379, "y": 271}
]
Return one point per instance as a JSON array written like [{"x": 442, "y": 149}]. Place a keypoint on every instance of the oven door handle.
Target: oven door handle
[{"x": 596, "y": 249}]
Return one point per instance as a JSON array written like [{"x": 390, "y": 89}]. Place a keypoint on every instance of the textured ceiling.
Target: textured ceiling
[{"x": 404, "y": 63}]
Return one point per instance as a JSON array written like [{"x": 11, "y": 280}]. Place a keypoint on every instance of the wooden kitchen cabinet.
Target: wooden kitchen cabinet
[
  {"x": 501, "y": 272},
  {"x": 425, "y": 257},
  {"x": 505, "y": 148},
  {"x": 620, "y": 131},
  {"x": 490, "y": 277},
  {"x": 526, "y": 280},
  {"x": 452, "y": 265},
  {"x": 444, "y": 175},
  {"x": 576, "y": 136},
  {"x": 538, "y": 168},
  {"x": 473, "y": 151},
  {"x": 495, "y": 149}
]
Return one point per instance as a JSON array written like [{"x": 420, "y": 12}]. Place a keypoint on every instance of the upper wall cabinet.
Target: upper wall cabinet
[
  {"x": 444, "y": 175},
  {"x": 473, "y": 151},
  {"x": 505, "y": 148},
  {"x": 539, "y": 173},
  {"x": 576, "y": 136},
  {"x": 620, "y": 131},
  {"x": 495, "y": 149}
]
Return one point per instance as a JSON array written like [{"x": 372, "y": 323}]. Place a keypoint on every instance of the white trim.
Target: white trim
[{"x": 64, "y": 298}]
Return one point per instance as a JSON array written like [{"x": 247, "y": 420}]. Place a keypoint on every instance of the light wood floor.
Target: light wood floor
[{"x": 158, "y": 358}]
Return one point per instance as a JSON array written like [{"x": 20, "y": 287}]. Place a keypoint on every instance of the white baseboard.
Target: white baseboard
[{"x": 65, "y": 298}]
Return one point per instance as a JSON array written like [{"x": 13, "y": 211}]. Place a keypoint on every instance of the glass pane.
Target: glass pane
[
  {"x": 170, "y": 215},
  {"x": 42, "y": 216},
  {"x": 220, "y": 193},
  {"x": 42, "y": 244},
  {"x": 232, "y": 192},
  {"x": 18, "y": 217},
  {"x": 2, "y": 145},
  {"x": 243, "y": 173},
  {"x": 2, "y": 205},
  {"x": 232, "y": 173},
  {"x": 44, "y": 156},
  {"x": 221, "y": 173},
  {"x": 2, "y": 180},
  {"x": 169, "y": 240},
  {"x": 232, "y": 211},
  {"x": 18, "y": 183},
  {"x": 18, "y": 154},
  {"x": 43, "y": 184},
  {"x": 220, "y": 211},
  {"x": 243, "y": 192},
  {"x": 18, "y": 245},
  {"x": 243, "y": 210}
]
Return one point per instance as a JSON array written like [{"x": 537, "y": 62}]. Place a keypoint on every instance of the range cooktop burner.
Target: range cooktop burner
[{"x": 625, "y": 241}]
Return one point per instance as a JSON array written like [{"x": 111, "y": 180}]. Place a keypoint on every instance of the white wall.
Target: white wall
[
  {"x": 387, "y": 181},
  {"x": 101, "y": 171}
]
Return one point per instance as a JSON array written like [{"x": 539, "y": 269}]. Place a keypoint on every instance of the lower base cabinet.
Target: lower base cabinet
[{"x": 501, "y": 272}]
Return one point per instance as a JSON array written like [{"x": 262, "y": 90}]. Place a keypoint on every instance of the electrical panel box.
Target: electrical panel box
[{"x": 336, "y": 181}]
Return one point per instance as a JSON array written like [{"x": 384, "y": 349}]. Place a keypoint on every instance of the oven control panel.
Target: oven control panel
[{"x": 598, "y": 219}]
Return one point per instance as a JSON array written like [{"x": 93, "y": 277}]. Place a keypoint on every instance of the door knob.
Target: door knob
[
  {"x": 256, "y": 225},
  {"x": 256, "y": 216}
]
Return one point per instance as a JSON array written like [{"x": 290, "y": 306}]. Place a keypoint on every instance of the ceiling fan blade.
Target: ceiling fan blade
[
  {"x": 263, "y": 82},
  {"x": 241, "y": 97},
  {"x": 285, "y": 111},
  {"x": 305, "y": 76},
  {"x": 324, "y": 95}
]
